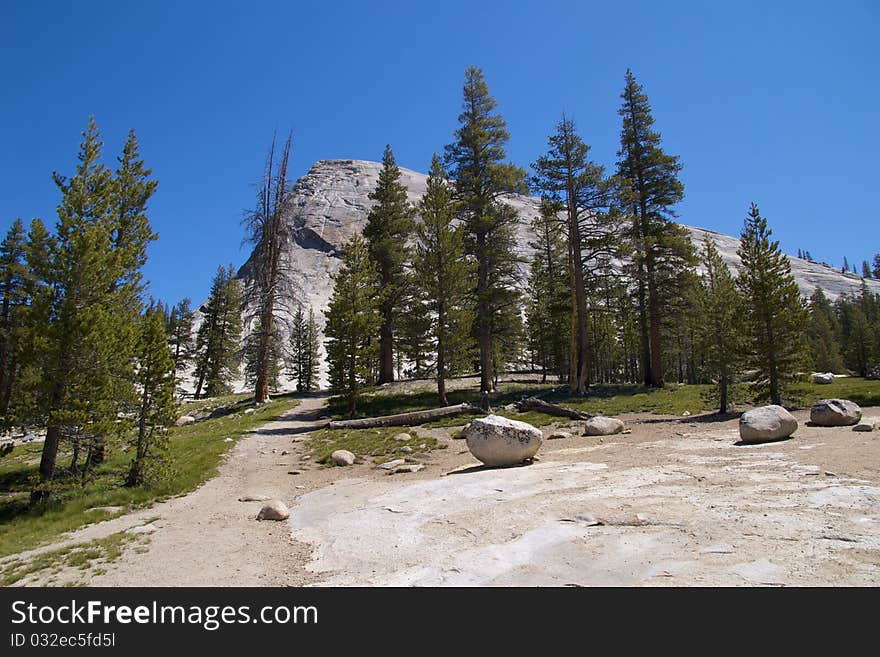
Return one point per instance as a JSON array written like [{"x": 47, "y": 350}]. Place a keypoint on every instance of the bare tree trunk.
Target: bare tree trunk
[
  {"x": 386, "y": 345},
  {"x": 404, "y": 419},
  {"x": 484, "y": 321}
]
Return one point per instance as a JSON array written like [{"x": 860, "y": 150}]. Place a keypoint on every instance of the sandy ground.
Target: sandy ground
[{"x": 674, "y": 502}]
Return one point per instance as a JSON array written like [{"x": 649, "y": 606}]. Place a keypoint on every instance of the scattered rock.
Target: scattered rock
[
  {"x": 686, "y": 414},
  {"x": 423, "y": 446},
  {"x": 766, "y": 423},
  {"x": 390, "y": 465},
  {"x": 835, "y": 413},
  {"x": 411, "y": 467},
  {"x": 603, "y": 426},
  {"x": 183, "y": 420},
  {"x": 403, "y": 437},
  {"x": 284, "y": 452},
  {"x": 142, "y": 529},
  {"x": 822, "y": 377},
  {"x": 498, "y": 441},
  {"x": 294, "y": 472},
  {"x": 342, "y": 457},
  {"x": 254, "y": 498},
  {"x": 249, "y": 411},
  {"x": 874, "y": 373},
  {"x": 228, "y": 440},
  {"x": 559, "y": 435},
  {"x": 867, "y": 424},
  {"x": 406, "y": 449},
  {"x": 105, "y": 509},
  {"x": 305, "y": 457},
  {"x": 274, "y": 510}
]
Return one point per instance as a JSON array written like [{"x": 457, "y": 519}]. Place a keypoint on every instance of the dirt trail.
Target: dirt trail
[{"x": 208, "y": 537}]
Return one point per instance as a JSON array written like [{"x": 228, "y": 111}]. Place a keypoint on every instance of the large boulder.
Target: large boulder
[
  {"x": 766, "y": 423},
  {"x": 602, "y": 426},
  {"x": 835, "y": 413},
  {"x": 274, "y": 510},
  {"x": 342, "y": 457},
  {"x": 498, "y": 441},
  {"x": 823, "y": 377},
  {"x": 183, "y": 420}
]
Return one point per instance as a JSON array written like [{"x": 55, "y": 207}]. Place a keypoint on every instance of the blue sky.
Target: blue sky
[{"x": 772, "y": 102}]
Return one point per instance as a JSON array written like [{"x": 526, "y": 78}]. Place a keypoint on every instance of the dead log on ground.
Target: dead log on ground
[
  {"x": 535, "y": 404},
  {"x": 404, "y": 419}
]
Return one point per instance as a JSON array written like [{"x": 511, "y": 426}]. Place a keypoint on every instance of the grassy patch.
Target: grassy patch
[
  {"x": 376, "y": 443},
  {"x": 83, "y": 556},
  {"x": 861, "y": 391},
  {"x": 195, "y": 452}
]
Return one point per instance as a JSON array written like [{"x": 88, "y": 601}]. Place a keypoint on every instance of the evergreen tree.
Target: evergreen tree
[
  {"x": 721, "y": 327},
  {"x": 578, "y": 186},
  {"x": 866, "y": 269},
  {"x": 475, "y": 161},
  {"x": 353, "y": 318},
  {"x": 155, "y": 379},
  {"x": 304, "y": 350},
  {"x": 548, "y": 307},
  {"x": 180, "y": 335},
  {"x": 845, "y": 268},
  {"x": 14, "y": 277},
  {"x": 876, "y": 266},
  {"x": 268, "y": 285},
  {"x": 389, "y": 226},
  {"x": 823, "y": 334},
  {"x": 218, "y": 353},
  {"x": 662, "y": 250},
  {"x": 442, "y": 275},
  {"x": 413, "y": 332},
  {"x": 775, "y": 313},
  {"x": 254, "y": 358},
  {"x": 88, "y": 315}
]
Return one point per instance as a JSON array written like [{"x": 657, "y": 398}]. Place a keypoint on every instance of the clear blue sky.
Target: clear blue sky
[{"x": 775, "y": 102}]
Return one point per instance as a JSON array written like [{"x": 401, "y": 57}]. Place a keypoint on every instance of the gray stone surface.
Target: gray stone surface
[
  {"x": 766, "y": 423},
  {"x": 835, "y": 413}
]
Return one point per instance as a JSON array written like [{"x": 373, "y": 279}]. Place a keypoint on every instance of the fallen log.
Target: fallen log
[
  {"x": 404, "y": 419},
  {"x": 535, "y": 404}
]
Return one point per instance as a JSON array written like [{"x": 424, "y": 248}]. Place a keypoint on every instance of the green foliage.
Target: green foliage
[
  {"x": 775, "y": 313},
  {"x": 389, "y": 226},
  {"x": 157, "y": 408},
  {"x": 441, "y": 278},
  {"x": 475, "y": 162},
  {"x": 180, "y": 335},
  {"x": 823, "y": 330},
  {"x": 720, "y": 314},
  {"x": 15, "y": 281},
  {"x": 304, "y": 350},
  {"x": 217, "y": 341},
  {"x": 353, "y": 319}
]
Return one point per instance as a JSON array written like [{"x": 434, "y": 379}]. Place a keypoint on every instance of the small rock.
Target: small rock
[
  {"x": 300, "y": 487},
  {"x": 423, "y": 446},
  {"x": 559, "y": 435},
  {"x": 413, "y": 467},
  {"x": 305, "y": 457},
  {"x": 865, "y": 425},
  {"x": 254, "y": 498},
  {"x": 284, "y": 452},
  {"x": 390, "y": 465},
  {"x": 686, "y": 414},
  {"x": 602, "y": 426},
  {"x": 294, "y": 472},
  {"x": 228, "y": 440},
  {"x": 249, "y": 411},
  {"x": 183, "y": 420},
  {"x": 406, "y": 449},
  {"x": 835, "y": 413},
  {"x": 403, "y": 437},
  {"x": 342, "y": 457},
  {"x": 822, "y": 377},
  {"x": 766, "y": 423},
  {"x": 274, "y": 510}
]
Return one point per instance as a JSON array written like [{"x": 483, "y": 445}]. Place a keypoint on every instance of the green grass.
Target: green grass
[
  {"x": 83, "y": 556},
  {"x": 379, "y": 444},
  {"x": 195, "y": 452}
]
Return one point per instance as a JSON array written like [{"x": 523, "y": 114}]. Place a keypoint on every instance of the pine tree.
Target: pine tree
[
  {"x": 254, "y": 358},
  {"x": 570, "y": 179},
  {"x": 549, "y": 311},
  {"x": 180, "y": 335},
  {"x": 442, "y": 275},
  {"x": 662, "y": 250},
  {"x": 412, "y": 339},
  {"x": 304, "y": 350},
  {"x": 155, "y": 379},
  {"x": 845, "y": 268},
  {"x": 389, "y": 227},
  {"x": 218, "y": 352},
  {"x": 721, "y": 327},
  {"x": 353, "y": 318},
  {"x": 822, "y": 334},
  {"x": 475, "y": 161},
  {"x": 775, "y": 313},
  {"x": 268, "y": 285},
  {"x": 876, "y": 266},
  {"x": 866, "y": 269},
  {"x": 88, "y": 318},
  {"x": 14, "y": 277}
]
